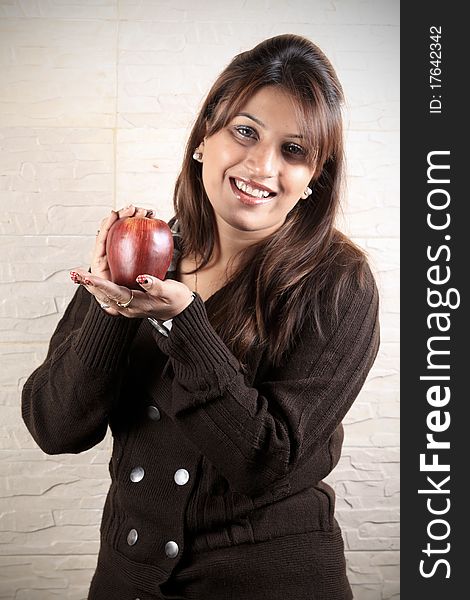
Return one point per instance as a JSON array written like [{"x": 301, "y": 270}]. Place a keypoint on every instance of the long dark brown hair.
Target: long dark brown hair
[{"x": 302, "y": 268}]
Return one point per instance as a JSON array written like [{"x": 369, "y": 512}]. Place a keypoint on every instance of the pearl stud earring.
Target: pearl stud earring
[
  {"x": 197, "y": 155},
  {"x": 307, "y": 193}
]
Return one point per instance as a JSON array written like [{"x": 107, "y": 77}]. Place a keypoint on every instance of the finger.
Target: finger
[
  {"x": 107, "y": 305},
  {"x": 143, "y": 212},
  {"x": 103, "y": 300},
  {"x": 127, "y": 211},
  {"x": 173, "y": 297},
  {"x": 75, "y": 276},
  {"x": 102, "y": 287},
  {"x": 152, "y": 285},
  {"x": 106, "y": 224},
  {"x": 81, "y": 277}
]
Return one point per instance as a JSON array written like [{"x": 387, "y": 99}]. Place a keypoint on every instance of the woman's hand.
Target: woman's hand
[
  {"x": 161, "y": 299},
  {"x": 99, "y": 261}
]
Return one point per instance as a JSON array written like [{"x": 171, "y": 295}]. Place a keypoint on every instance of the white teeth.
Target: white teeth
[{"x": 241, "y": 185}]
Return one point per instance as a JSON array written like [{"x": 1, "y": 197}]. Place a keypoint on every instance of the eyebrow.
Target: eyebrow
[{"x": 261, "y": 124}]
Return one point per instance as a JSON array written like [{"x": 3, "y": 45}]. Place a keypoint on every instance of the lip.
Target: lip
[
  {"x": 255, "y": 184},
  {"x": 245, "y": 198}
]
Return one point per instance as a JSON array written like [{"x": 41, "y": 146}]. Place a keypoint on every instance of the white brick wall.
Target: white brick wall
[{"x": 96, "y": 100}]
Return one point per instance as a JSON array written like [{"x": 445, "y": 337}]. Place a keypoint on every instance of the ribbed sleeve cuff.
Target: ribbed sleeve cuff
[
  {"x": 103, "y": 340},
  {"x": 198, "y": 353}
]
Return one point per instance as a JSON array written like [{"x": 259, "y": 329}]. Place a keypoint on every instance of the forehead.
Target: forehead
[{"x": 274, "y": 107}]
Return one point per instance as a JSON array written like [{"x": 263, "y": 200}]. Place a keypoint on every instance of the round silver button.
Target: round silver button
[
  {"x": 132, "y": 537},
  {"x": 181, "y": 477},
  {"x": 153, "y": 413},
  {"x": 171, "y": 549},
  {"x": 137, "y": 474}
]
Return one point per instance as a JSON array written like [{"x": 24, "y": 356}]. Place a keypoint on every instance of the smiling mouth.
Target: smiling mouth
[{"x": 250, "y": 192}]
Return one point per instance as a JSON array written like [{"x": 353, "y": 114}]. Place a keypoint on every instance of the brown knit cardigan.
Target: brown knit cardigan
[{"x": 216, "y": 476}]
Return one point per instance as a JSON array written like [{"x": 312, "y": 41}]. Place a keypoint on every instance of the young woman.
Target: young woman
[{"x": 225, "y": 384}]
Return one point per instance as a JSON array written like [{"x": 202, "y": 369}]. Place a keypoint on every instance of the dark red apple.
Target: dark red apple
[{"x": 138, "y": 246}]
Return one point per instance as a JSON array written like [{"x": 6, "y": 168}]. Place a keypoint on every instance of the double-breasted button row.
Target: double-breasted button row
[
  {"x": 171, "y": 547},
  {"x": 181, "y": 477}
]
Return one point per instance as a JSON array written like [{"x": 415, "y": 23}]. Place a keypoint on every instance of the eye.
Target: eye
[
  {"x": 245, "y": 131},
  {"x": 295, "y": 150}
]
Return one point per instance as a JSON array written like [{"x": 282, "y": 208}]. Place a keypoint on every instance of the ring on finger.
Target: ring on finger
[
  {"x": 126, "y": 304},
  {"x": 104, "y": 303}
]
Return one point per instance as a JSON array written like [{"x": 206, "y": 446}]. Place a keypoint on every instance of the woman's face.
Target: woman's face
[{"x": 261, "y": 148}]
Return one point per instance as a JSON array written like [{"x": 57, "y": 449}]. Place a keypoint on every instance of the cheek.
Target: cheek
[
  {"x": 222, "y": 151},
  {"x": 299, "y": 180},
  {"x": 213, "y": 170}
]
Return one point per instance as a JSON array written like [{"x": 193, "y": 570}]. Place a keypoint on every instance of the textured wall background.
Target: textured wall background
[{"x": 96, "y": 100}]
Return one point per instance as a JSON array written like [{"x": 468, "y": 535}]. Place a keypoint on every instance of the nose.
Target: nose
[{"x": 262, "y": 160}]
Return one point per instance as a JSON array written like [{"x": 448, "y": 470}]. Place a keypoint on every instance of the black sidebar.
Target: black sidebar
[{"x": 435, "y": 209}]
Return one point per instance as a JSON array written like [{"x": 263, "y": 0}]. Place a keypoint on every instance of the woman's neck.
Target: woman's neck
[{"x": 230, "y": 242}]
